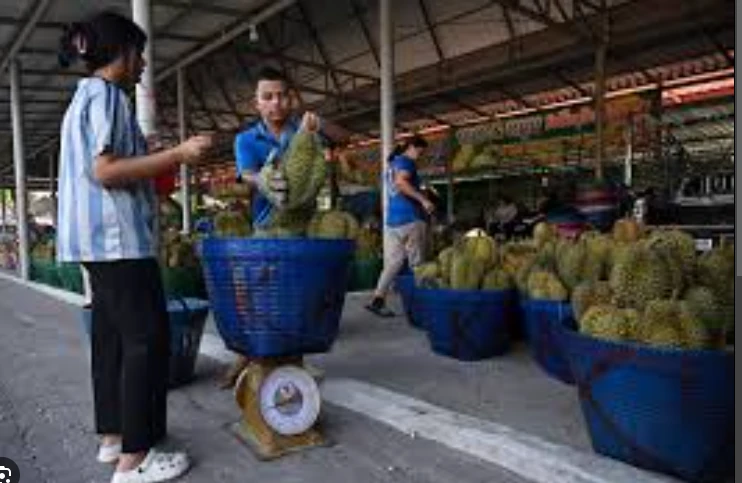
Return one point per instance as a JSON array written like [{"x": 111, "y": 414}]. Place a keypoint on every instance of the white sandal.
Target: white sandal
[
  {"x": 156, "y": 467},
  {"x": 109, "y": 453}
]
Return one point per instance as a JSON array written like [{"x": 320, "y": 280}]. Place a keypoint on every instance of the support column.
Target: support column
[
  {"x": 387, "y": 92},
  {"x": 600, "y": 77},
  {"x": 145, "y": 91},
  {"x": 185, "y": 177},
  {"x": 629, "y": 161},
  {"x": 21, "y": 196}
]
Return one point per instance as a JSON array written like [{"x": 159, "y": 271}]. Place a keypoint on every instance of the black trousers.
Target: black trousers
[{"x": 130, "y": 351}]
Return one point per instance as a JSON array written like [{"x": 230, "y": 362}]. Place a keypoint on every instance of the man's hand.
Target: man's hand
[
  {"x": 272, "y": 184},
  {"x": 310, "y": 122}
]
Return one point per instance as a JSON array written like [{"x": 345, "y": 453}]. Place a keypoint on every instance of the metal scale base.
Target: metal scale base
[{"x": 253, "y": 430}]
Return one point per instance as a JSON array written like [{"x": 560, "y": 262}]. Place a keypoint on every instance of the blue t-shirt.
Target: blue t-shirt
[
  {"x": 401, "y": 209},
  {"x": 253, "y": 147}
]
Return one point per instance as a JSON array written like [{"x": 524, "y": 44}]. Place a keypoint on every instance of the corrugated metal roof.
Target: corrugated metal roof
[{"x": 329, "y": 49}]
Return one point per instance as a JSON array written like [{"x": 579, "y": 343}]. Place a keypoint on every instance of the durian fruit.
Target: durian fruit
[
  {"x": 627, "y": 230},
  {"x": 587, "y": 294},
  {"x": 514, "y": 255},
  {"x": 545, "y": 285},
  {"x": 497, "y": 279},
  {"x": 600, "y": 250},
  {"x": 716, "y": 271},
  {"x": 606, "y": 321},
  {"x": 288, "y": 223},
  {"x": 641, "y": 276},
  {"x": 304, "y": 167},
  {"x": 481, "y": 248},
  {"x": 427, "y": 273},
  {"x": 333, "y": 224},
  {"x": 672, "y": 323},
  {"x": 680, "y": 247},
  {"x": 445, "y": 260},
  {"x": 576, "y": 264},
  {"x": 543, "y": 233},
  {"x": 231, "y": 223},
  {"x": 466, "y": 270},
  {"x": 463, "y": 158}
]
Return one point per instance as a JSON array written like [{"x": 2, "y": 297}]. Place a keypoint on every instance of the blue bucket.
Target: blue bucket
[
  {"x": 661, "y": 409},
  {"x": 467, "y": 325},
  {"x": 187, "y": 321},
  {"x": 405, "y": 284},
  {"x": 544, "y": 319},
  {"x": 277, "y": 297}
]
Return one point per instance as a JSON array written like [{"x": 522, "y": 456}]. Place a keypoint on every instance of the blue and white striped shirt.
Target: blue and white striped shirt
[{"x": 98, "y": 223}]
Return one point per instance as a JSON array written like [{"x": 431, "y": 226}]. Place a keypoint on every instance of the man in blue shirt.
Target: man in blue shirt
[
  {"x": 407, "y": 209},
  {"x": 265, "y": 141}
]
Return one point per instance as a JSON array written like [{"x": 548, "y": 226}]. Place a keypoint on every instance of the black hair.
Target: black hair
[
  {"x": 100, "y": 40},
  {"x": 269, "y": 73},
  {"x": 415, "y": 141}
]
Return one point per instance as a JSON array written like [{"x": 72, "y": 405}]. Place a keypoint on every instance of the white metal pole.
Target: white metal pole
[
  {"x": 145, "y": 91},
  {"x": 145, "y": 95},
  {"x": 185, "y": 178},
  {"x": 387, "y": 93},
  {"x": 21, "y": 200}
]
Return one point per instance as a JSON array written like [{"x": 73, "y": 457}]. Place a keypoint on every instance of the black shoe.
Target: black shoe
[{"x": 378, "y": 307}]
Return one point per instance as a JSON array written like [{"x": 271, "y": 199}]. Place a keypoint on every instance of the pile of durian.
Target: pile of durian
[
  {"x": 473, "y": 262},
  {"x": 630, "y": 285},
  {"x": 178, "y": 250}
]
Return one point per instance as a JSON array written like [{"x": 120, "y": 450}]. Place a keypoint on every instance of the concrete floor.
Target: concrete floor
[{"x": 46, "y": 407}]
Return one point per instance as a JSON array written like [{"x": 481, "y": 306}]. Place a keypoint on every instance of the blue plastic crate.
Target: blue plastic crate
[
  {"x": 466, "y": 324},
  {"x": 544, "y": 319},
  {"x": 405, "y": 285},
  {"x": 661, "y": 409},
  {"x": 187, "y": 321},
  {"x": 277, "y": 297}
]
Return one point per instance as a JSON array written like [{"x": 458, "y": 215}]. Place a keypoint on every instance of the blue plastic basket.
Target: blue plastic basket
[
  {"x": 277, "y": 297},
  {"x": 187, "y": 320},
  {"x": 660, "y": 409},
  {"x": 467, "y": 325},
  {"x": 544, "y": 319},
  {"x": 405, "y": 284}
]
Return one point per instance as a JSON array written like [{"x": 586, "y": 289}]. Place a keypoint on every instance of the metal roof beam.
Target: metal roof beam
[
  {"x": 237, "y": 29},
  {"x": 358, "y": 14},
  {"x": 5, "y": 20},
  {"x": 20, "y": 37},
  {"x": 315, "y": 36},
  {"x": 431, "y": 30}
]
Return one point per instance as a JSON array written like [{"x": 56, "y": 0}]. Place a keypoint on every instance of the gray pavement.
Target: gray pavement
[{"x": 46, "y": 413}]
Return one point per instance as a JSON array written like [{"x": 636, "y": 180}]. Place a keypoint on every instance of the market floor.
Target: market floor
[
  {"x": 45, "y": 418},
  {"x": 394, "y": 411}
]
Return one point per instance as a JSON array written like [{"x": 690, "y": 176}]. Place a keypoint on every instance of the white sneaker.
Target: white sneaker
[
  {"x": 109, "y": 453},
  {"x": 156, "y": 467}
]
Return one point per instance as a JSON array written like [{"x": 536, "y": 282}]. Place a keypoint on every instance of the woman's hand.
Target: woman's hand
[{"x": 195, "y": 148}]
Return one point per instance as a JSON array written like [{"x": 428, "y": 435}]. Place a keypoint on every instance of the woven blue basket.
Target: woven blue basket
[
  {"x": 405, "y": 285},
  {"x": 467, "y": 325},
  {"x": 277, "y": 297},
  {"x": 660, "y": 409},
  {"x": 187, "y": 319},
  {"x": 544, "y": 319}
]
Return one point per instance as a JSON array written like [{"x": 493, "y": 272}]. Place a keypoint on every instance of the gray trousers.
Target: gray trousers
[{"x": 400, "y": 243}]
